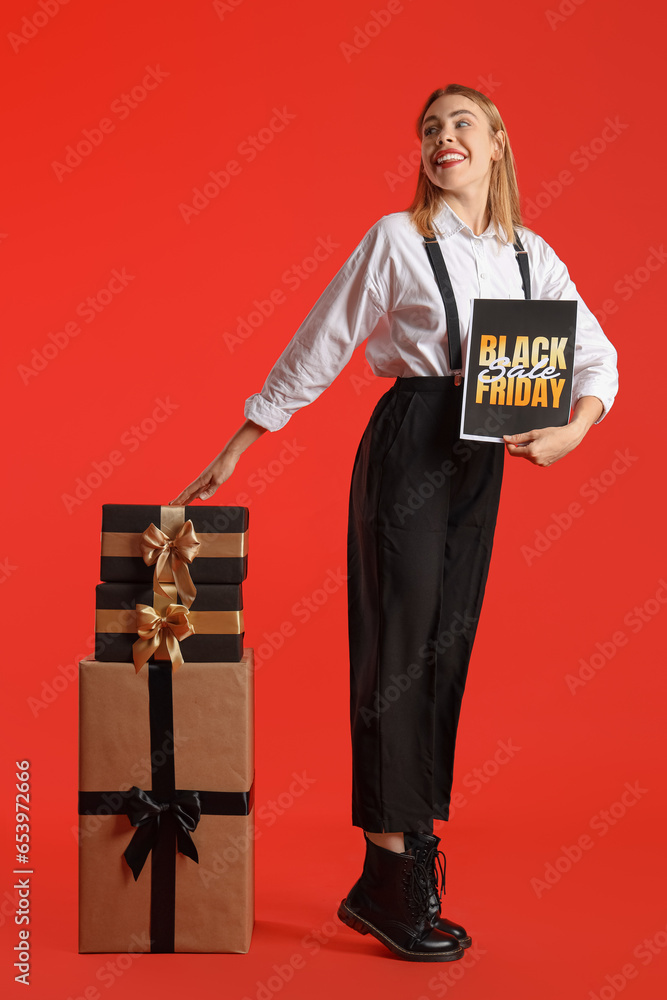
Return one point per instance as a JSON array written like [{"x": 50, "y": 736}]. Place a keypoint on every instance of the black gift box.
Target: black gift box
[
  {"x": 221, "y": 531},
  {"x": 216, "y": 615}
]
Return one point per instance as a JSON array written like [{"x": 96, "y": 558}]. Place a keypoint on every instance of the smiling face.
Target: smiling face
[{"x": 458, "y": 147}]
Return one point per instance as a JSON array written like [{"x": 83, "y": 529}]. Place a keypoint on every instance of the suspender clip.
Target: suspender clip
[{"x": 458, "y": 378}]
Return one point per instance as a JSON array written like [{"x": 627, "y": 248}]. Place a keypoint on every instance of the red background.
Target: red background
[{"x": 556, "y": 78}]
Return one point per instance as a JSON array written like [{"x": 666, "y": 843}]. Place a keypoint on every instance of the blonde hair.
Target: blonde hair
[{"x": 503, "y": 203}]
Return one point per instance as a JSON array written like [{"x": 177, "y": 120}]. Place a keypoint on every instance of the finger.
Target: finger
[
  {"x": 181, "y": 500},
  {"x": 518, "y": 450},
  {"x": 207, "y": 493},
  {"x": 518, "y": 438},
  {"x": 524, "y": 451},
  {"x": 200, "y": 490},
  {"x": 189, "y": 493}
]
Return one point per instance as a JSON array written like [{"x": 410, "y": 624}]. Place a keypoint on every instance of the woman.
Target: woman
[{"x": 417, "y": 570}]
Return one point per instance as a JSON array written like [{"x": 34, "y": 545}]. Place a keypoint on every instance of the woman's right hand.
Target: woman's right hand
[
  {"x": 222, "y": 466},
  {"x": 213, "y": 476}
]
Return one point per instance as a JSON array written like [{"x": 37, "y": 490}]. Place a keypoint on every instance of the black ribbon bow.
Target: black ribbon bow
[{"x": 153, "y": 818}]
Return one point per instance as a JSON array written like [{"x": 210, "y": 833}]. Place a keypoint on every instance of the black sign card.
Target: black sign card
[{"x": 519, "y": 366}]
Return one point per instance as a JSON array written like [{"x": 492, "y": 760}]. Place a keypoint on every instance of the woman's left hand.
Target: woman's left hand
[{"x": 545, "y": 446}]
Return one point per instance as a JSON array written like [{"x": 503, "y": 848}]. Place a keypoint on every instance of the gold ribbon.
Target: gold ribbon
[
  {"x": 214, "y": 545},
  {"x": 159, "y": 548},
  {"x": 174, "y": 626}
]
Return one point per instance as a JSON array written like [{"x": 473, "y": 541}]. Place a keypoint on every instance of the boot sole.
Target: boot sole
[{"x": 357, "y": 923}]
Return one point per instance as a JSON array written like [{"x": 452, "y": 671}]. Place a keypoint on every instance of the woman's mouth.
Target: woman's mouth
[{"x": 448, "y": 159}]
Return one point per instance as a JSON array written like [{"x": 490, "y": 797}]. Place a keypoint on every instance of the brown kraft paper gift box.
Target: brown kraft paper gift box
[{"x": 169, "y": 734}]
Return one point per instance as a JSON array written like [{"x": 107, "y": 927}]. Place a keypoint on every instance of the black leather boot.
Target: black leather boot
[
  {"x": 390, "y": 901},
  {"x": 425, "y": 848}
]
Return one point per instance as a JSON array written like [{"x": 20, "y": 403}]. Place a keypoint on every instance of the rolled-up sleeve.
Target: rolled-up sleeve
[
  {"x": 595, "y": 359},
  {"x": 345, "y": 314}
]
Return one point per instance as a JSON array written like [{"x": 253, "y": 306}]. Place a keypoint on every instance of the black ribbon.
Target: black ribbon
[
  {"x": 153, "y": 818},
  {"x": 165, "y": 816}
]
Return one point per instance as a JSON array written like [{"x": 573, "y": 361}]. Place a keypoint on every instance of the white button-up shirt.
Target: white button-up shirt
[{"x": 386, "y": 295}]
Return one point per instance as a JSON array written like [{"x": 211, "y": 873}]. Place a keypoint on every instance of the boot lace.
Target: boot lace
[
  {"x": 434, "y": 866},
  {"x": 419, "y": 889}
]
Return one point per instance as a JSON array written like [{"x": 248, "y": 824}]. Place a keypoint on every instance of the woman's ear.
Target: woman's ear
[{"x": 499, "y": 144}]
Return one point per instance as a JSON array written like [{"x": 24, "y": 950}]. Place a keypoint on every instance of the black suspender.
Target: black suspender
[
  {"x": 451, "y": 312},
  {"x": 522, "y": 260}
]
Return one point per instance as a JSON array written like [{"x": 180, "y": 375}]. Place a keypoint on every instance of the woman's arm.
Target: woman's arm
[
  {"x": 595, "y": 375},
  {"x": 544, "y": 447},
  {"x": 342, "y": 318},
  {"x": 222, "y": 466}
]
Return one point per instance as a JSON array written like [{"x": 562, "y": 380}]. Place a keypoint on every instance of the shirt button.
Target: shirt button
[{"x": 482, "y": 276}]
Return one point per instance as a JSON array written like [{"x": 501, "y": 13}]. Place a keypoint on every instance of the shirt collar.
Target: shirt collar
[{"x": 448, "y": 224}]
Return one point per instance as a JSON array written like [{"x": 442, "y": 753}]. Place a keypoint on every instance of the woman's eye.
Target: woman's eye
[{"x": 432, "y": 128}]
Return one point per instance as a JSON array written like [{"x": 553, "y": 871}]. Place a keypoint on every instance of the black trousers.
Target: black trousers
[{"x": 422, "y": 514}]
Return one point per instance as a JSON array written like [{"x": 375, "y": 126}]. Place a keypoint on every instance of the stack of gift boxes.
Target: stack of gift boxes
[{"x": 166, "y": 737}]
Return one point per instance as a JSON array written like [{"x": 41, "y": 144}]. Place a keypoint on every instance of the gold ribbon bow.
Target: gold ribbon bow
[
  {"x": 158, "y": 548},
  {"x": 153, "y": 628}
]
